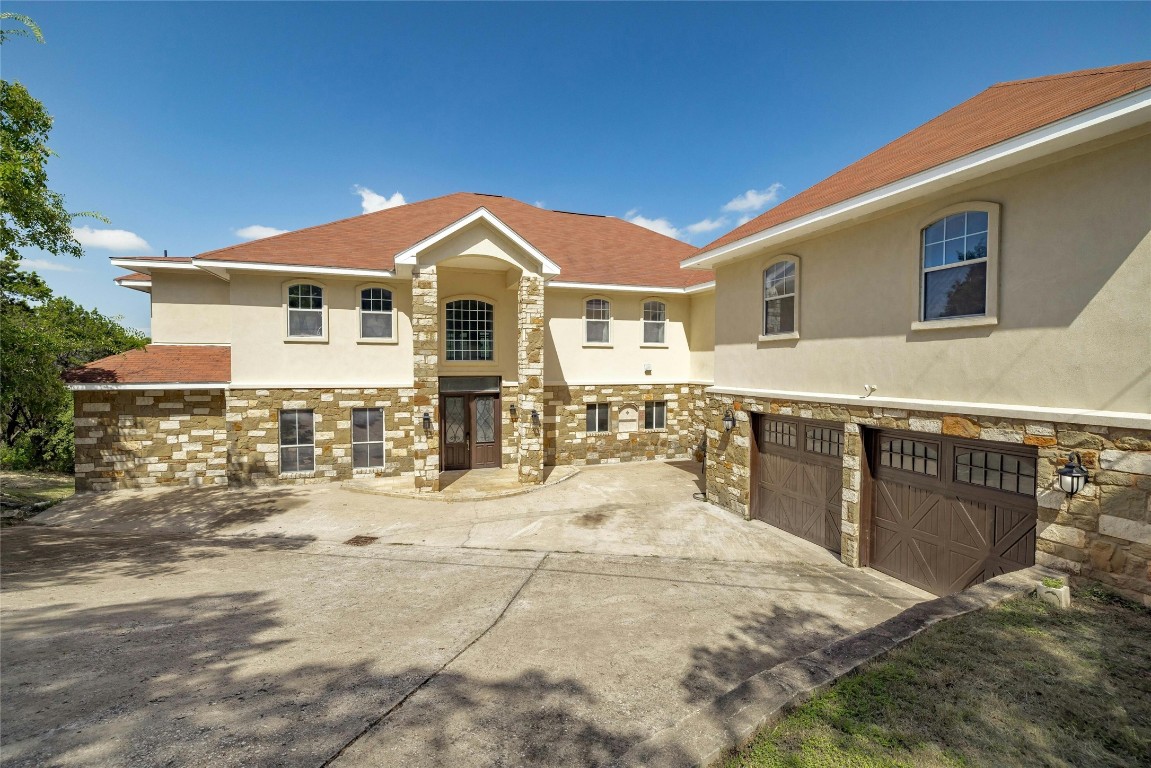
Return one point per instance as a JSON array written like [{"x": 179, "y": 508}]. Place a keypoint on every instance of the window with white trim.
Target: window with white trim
[
  {"x": 367, "y": 438},
  {"x": 469, "y": 330},
  {"x": 297, "y": 441},
  {"x": 954, "y": 266},
  {"x": 598, "y": 417},
  {"x": 655, "y": 415},
  {"x": 779, "y": 294},
  {"x": 597, "y": 321},
  {"x": 654, "y": 322},
  {"x": 305, "y": 310},
  {"x": 377, "y": 314}
]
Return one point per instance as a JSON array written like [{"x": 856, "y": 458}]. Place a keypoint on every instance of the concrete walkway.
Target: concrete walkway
[{"x": 561, "y": 627}]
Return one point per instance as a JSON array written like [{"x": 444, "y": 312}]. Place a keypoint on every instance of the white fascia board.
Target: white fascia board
[
  {"x": 221, "y": 269},
  {"x": 153, "y": 385},
  {"x": 144, "y": 286},
  {"x": 629, "y": 383},
  {"x": 406, "y": 384},
  {"x": 1029, "y": 412},
  {"x": 410, "y": 255},
  {"x": 1110, "y": 118},
  {"x": 147, "y": 265},
  {"x": 606, "y": 287}
]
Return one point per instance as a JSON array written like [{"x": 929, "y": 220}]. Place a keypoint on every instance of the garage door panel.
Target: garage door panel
[
  {"x": 798, "y": 485},
  {"x": 941, "y": 529}
]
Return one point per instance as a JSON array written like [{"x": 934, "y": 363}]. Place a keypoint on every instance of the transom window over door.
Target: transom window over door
[
  {"x": 654, "y": 322},
  {"x": 469, "y": 330},
  {"x": 779, "y": 292},
  {"x": 597, "y": 321},
  {"x": 954, "y": 266},
  {"x": 377, "y": 317},
  {"x": 305, "y": 310}
]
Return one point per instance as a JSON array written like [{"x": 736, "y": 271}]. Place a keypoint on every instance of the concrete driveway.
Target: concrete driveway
[{"x": 561, "y": 627}]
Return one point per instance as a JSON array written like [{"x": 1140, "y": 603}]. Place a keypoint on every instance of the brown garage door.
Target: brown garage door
[
  {"x": 947, "y": 513},
  {"x": 799, "y": 477}
]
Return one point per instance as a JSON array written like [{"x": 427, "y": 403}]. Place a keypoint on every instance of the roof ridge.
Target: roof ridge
[{"x": 1132, "y": 67}]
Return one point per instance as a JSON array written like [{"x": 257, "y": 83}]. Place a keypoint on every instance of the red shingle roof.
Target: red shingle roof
[
  {"x": 158, "y": 364},
  {"x": 132, "y": 276},
  {"x": 587, "y": 248},
  {"x": 1001, "y": 112}
]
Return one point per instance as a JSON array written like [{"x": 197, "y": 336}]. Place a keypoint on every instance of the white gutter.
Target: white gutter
[
  {"x": 221, "y": 269},
  {"x": 101, "y": 387},
  {"x": 1113, "y": 117},
  {"x": 144, "y": 265},
  {"x": 632, "y": 288}
]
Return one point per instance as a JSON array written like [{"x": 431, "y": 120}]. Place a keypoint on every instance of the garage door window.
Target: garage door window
[
  {"x": 1002, "y": 471},
  {"x": 910, "y": 456},
  {"x": 779, "y": 432},
  {"x": 824, "y": 440}
]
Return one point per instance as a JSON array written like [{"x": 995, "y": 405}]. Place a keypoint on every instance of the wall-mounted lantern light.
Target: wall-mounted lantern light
[
  {"x": 512, "y": 411},
  {"x": 535, "y": 418},
  {"x": 427, "y": 421},
  {"x": 1072, "y": 475},
  {"x": 728, "y": 421}
]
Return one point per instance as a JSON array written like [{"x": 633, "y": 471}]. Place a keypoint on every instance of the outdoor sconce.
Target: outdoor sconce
[
  {"x": 728, "y": 421},
  {"x": 1072, "y": 475},
  {"x": 512, "y": 411},
  {"x": 427, "y": 421},
  {"x": 535, "y": 418}
]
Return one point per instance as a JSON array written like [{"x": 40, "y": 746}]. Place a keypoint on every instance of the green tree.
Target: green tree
[{"x": 31, "y": 214}]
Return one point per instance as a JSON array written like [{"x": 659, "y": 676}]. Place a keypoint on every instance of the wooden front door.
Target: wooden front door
[{"x": 470, "y": 430}]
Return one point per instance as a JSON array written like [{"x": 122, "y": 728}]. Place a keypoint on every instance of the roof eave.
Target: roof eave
[{"x": 1104, "y": 120}]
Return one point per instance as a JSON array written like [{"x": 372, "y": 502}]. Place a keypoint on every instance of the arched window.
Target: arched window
[
  {"x": 597, "y": 321},
  {"x": 305, "y": 310},
  {"x": 954, "y": 266},
  {"x": 654, "y": 322},
  {"x": 780, "y": 289},
  {"x": 469, "y": 330},
  {"x": 377, "y": 315}
]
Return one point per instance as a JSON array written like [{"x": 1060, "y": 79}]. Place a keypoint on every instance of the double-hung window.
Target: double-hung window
[
  {"x": 655, "y": 415},
  {"x": 954, "y": 266},
  {"x": 305, "y": 311},
  {"x": 598, "y": 417},
  {"x": 367, "y": 438},
  {"x": 779, "y": 294},
  {"x": 597, "y": 321},
  {"x": 654, "y": 322},
  {"x": 297, "y": 441},
  {"x": 377, "y": 314}
]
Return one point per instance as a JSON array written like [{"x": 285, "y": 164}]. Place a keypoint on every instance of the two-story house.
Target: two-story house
[
  {"x": 897, "y": 363},
  {"x": 467, "y": 331},
  {"x": 910, "y": 350}
]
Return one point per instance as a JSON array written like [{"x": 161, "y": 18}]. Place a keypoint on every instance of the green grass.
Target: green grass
[
  {"x": 1052, "y": 583},
  {"x": 31, "y": 487},
  {"x": 1019, "y": 684}
]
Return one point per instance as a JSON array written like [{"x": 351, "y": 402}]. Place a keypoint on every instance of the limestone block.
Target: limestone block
[
  {"x": 1126, "y": 461},
  {"x": 918, "y": 424},
  {"x": 1001, "y": 435},
  {"x": 1129, "y": 530},
  {"x": 1062, "y": 534}
]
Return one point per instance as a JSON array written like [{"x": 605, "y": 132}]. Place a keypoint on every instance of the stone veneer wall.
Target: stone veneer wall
[
  {"x": 426, "y": 372},
  {"x": 530, "y": 371},
  {"x": 1103, "y": 532},
  {"x": 567, "y": 440},
  {"x": 141, "y": 438},
  {"x": 254, "y": 429}
]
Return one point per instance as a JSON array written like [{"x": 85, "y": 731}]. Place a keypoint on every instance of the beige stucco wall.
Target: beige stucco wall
[
  {"x": 1074, "y": 325},
  {"x": 262, "y": 357},
  {"x": 568, "y": 360},
  {"x": 701, "y": 336},
  {"x": 492, "y": 287},
  {"x": 189, "y": 308}
]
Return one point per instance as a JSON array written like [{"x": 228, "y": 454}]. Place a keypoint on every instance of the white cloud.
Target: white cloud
[
  {"x": 371, "y": 202},
  {"x": 46, "y": 266},
  {"x": 754, "y": 199},
  {"x": 110, "y": 239},
  {"x": 707, "y": 225},
  {"x": 539, "y": 204},
  {"x": 663, "y": 226},
  {"x": 257, "y": 231},
  {"x": 743, "y": 220}
]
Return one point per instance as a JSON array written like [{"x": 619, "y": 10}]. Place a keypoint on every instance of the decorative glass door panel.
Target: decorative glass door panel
[
  {"x": 455, "y": 431},
  {"x": 486, "y": 448}
]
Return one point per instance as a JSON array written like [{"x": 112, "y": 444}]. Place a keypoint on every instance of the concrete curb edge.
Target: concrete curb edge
[{"x": 731, "y": 720}]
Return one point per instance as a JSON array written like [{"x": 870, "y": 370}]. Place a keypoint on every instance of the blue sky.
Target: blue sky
[{"x": 187, "y": 124}]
